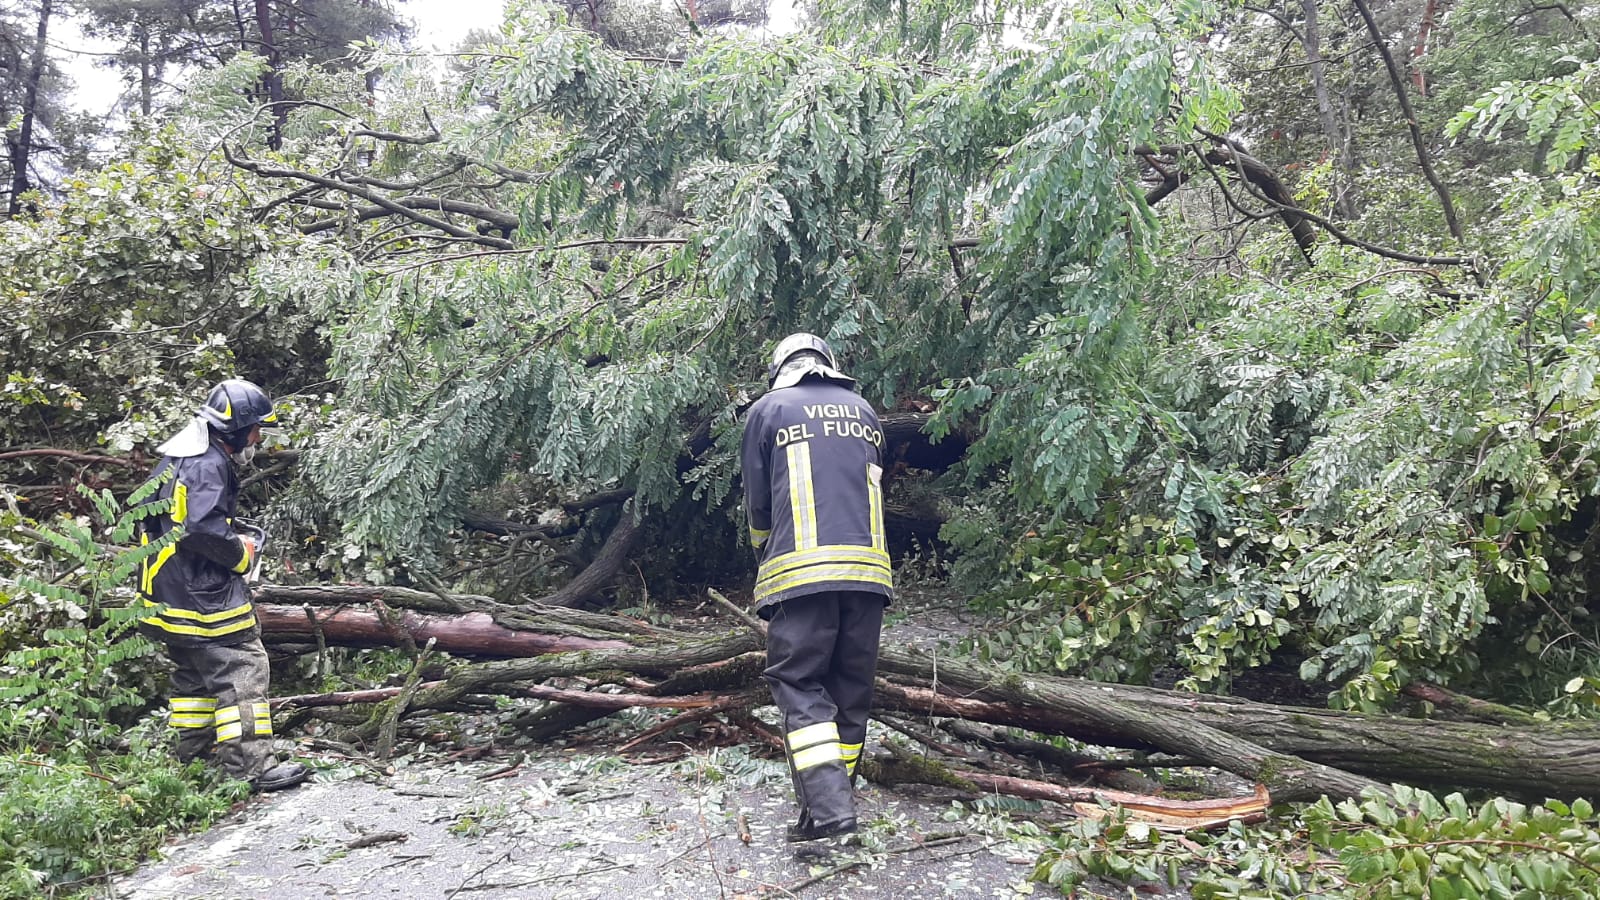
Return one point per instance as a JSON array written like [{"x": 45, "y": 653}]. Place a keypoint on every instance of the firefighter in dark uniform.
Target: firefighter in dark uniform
[
  {"x": 812, "y": 461},
  {"x": 196, "y": 594}
]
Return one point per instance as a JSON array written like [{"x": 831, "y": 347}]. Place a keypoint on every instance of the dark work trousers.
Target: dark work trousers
[
  {"x": 219, "y": 706},
  {"x": 822, "y": 653}
]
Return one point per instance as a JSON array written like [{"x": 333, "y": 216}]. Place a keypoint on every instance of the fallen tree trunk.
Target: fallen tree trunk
[
  {"x": 1166, "y": 815},
  {"x": 1550, "y": 760},
  {"x": 1288, "y": 777},
  {"x": 531, "y": 616},
  {"x": 1295, "y": 752},
  {"x": 908, "y": 443},
  {"x": 467, "y": 634}
]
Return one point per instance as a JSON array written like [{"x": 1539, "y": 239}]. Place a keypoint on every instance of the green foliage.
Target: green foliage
[
  {"x": 1191, "y": 449},
  {"x": 78, "y": 666},
  {"x": 66, "y": 823},
  {"x": 765, "y": 188},
  {"x": 1373, "y": 472},
  {"x": 1413, "y": 845},
  {"x": 1365, "y": 487},
  {"x": 130, "y": 294}
]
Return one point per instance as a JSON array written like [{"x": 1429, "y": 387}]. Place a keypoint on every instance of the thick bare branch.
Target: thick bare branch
[
  {"x": 93, "y": 459},
  {"x": 394, "y": 207},
  {"x": 1336, "y": 232},
  {"x": 503, "y": 221},
  {"x": 1398, "y": 82}
]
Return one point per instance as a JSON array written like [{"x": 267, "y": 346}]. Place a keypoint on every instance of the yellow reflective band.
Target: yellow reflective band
[
  {"x": 851, "y": 754},
  {"x": 227, "y": 408},
  {"x": 242, "y": 609},
  {"x": 802, "y": 502},
  {"x": 152, "y": 567},
  {"x": 196, "y": 630},
  {"x": 816, "y": 756},
  {"x": 831, "y": 553},
  {"x": 800, "y": 738},
  {"x": 191, "y": 720},
  {"x": 193, "y": 704},
  {"x": 229, "y": 732},
  {"x": 227, "y": 714},
  {"x": 263, "y": 717},
  {"x": 758, "y": 536},
  {"x": 875, "y": 505},
  {"x": 180, "y": 503},
  {"x": 270, "y": 418},
  {"x": 820, "y": 574}
]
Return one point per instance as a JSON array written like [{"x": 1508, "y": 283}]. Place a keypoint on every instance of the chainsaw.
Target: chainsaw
[{"x": 253, "y": 530}]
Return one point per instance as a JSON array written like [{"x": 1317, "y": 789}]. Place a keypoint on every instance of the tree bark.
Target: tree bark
[
  {"x": 1229, "y": 156},
  {"x": 146, "y": 75},
  {"x": 907, "y": 442},
  {"x": 471, "y": 634},
  {"x": 607, "y": 564},
  {"x": 532, "y": 616},
  {"x": 1338, "y": 142},
  {"x": 472, "y": 678},
  {"x": 272, "y": 81},
  {"x": 1164, "y": 814},
  {"x": 21, "y": 150},
  {"x": 1288, "y": 777},
  {"x": 1548, "y": 760},
  {"x": 1225, "y": 155},
  {"x": 1430, "y": 11}
]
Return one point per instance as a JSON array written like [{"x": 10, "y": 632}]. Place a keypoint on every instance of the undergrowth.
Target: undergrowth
[
  {"x": 1411, "y": 845},
  {"x": 83, "y": 798},
  {"x": 71, "y": 819}
]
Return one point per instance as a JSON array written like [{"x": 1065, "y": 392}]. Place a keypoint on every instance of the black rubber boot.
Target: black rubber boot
[
  {"x": 807, "y": 830},
  {"x": 280, "y": 777}
]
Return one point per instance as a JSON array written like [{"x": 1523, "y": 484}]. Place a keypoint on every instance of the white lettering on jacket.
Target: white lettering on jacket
[
  {"x": 792, "y": 433},
  {"x": 831, "y": 411}
]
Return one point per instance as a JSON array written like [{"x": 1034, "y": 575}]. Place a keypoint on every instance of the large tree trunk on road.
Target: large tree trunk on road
[
  {"x": 1295, "y": 752},
  {"x": 1547, "y": 760}
]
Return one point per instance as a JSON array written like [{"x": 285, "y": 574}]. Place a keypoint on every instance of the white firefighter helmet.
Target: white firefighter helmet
[{"x": 802, "y": 354}]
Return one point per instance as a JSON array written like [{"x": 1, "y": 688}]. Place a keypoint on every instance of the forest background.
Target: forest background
[{"x": 1265, "y": 333}]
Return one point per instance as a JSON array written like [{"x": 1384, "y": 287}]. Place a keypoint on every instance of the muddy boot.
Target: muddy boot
[
  {"x": 280, "y": 777},
  {"x": 193, "y": 746}
]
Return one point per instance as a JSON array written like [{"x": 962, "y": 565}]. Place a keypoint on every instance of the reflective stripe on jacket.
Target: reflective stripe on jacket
[
  {"x": 812, "y": 465},
  {"x": 200, "y": 578}
]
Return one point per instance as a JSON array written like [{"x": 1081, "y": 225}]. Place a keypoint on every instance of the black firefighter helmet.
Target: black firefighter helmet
[{"x": 237, "y": 405}]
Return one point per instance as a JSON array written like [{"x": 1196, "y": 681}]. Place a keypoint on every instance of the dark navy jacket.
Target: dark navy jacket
[
  {"x": 200, "y": 578},
  {"x": 813, "y": 470}
]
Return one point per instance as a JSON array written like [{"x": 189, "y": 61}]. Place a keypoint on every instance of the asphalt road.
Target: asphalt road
[{"x": 579, "y": 825}]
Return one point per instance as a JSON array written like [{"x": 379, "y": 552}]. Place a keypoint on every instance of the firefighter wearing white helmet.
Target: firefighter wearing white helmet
[
  {"x": 198, "y": 603},
  {"x": 812, "y": 460}
]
